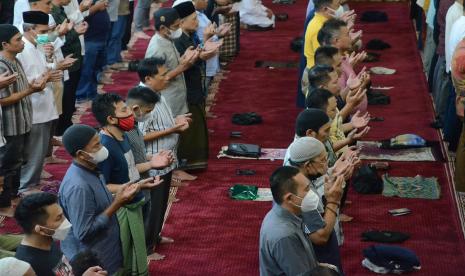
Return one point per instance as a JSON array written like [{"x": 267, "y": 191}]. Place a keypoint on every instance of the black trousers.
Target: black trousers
[
  {"x": 127, "y": 31},
  {"x": 69, "y": 102},
  {"x": 153, "y": 222},
  {"x": 12, "y": 157}
]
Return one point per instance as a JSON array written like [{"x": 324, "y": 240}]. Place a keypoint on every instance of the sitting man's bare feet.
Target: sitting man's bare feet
[
  {"x": 45, "y": 175},
  {"x": 7, "y": 212},
  {"x": 176, "y": 182},
  {"x": 155, "y": 257},
  {"x": 55, "y": 160},
  {"x": 166, "y": 240},
  {"x": 142, "y": 35},
  {"x": 345, "y": 218},
  {"x": 184, "y": 175}
]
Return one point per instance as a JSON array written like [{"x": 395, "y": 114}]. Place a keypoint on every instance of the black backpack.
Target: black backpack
[
  {"x": 297, "y": 44},
  {"x": 367, "y": 181},
  {"x": 246, "y": 119},
  {"x": 384, "y": 236}
]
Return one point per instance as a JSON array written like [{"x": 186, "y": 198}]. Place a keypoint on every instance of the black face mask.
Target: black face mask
[{"x": 315, "y": 176}]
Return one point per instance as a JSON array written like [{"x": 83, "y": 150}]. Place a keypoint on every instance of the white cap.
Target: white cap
[
  {"x": 177, "y": 2},
  {"x": 304, "y": 149}
]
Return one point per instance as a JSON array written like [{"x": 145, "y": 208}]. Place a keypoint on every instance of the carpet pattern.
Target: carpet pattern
[
  {"x": 218, "y": 236},
  {"x": 215, "y": 235}
]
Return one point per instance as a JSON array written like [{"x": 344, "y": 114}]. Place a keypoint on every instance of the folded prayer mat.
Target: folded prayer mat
[{"x": 411, "y": 187}]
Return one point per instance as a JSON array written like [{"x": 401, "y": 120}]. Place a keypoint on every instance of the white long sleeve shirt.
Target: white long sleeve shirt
[
  {"x": 75, "y": 15},
  {"x": 34, "y": 65}
]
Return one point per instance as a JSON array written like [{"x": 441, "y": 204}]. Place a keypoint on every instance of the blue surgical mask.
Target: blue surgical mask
[{"x": 42, "y": 39}]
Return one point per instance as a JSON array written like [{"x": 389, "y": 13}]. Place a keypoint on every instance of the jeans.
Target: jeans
[
  {"x": 12, "y": 156},
  {"x": 114, "y": 42},
  {"x": 93, "y": 63},
  {"x": 141, "y": 15}
]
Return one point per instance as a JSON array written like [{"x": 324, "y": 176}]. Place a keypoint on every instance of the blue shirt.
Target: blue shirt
[
  {"x": 99, "y": 26},
  {"x": 213, "y": 64},
  {"x": 119, "y": 167},
  {"x": 83, "y": 196}
]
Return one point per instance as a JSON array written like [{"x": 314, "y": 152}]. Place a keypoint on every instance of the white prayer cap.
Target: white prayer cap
[
  {"x": 177, "y": 2},
  {"x": 304, "y": 149},
  {"x": 13, "y": 267}
]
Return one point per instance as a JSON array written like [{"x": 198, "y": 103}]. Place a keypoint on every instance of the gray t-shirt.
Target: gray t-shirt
[
  {"x": 284, "y": 247},
  {"x": 176, "y": 92}
]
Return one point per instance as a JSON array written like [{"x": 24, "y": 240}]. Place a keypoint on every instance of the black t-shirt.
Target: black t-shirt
[
  {"x": 193, "y": 75},
  {"x": 42, "y": 261}
]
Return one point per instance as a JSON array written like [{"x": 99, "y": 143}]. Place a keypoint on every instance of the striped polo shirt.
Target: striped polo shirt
[{"x": 161, "y": 118}]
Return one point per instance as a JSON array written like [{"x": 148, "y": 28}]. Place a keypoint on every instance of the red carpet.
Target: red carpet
[{"x": 217, "y": 236}]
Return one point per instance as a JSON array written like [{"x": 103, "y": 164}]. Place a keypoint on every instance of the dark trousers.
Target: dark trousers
[
  {"x": 68, "y": 102},
  {"x": 12, "y": 157},
  {"x": 127, "y": 31},
  {"x": 153, "y": 223},
  {"x": 452, "y": 123}
]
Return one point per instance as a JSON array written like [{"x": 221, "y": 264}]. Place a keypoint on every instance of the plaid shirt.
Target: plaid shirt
[
  {"x": 72, "y": 44},
  {"x": 17, "y": 118}
]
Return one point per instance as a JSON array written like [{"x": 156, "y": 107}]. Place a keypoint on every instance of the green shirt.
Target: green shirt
[{"x": 72, "y": 43}]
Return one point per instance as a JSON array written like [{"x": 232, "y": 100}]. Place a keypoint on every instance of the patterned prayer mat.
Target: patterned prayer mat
[
  {"x": 411, "y": 187},
  {"x": 264, "y": 194},
  {"x": 370, "y": 150},
  {"x": 267, "y": 154}
]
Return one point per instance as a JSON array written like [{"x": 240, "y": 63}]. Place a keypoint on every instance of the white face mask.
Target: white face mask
[
  {"x": 309, "y": 202},
  {"x": 336, "y": 13},
  {"x": 339, "y": 12},
  {"x": 52, "y": 36},
  {"x": 99, "y": 156},
  {"x": 62, "y": 231},
  {"x": 175, "y": 34}
]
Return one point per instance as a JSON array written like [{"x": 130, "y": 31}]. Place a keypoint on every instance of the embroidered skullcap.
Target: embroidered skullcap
[{"x": 304, "y": 149}]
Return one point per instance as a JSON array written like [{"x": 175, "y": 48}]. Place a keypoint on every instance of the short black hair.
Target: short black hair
[
  {"x": 325, "y": 55},
  {"x": 282, "y": 182},
  {"x": 104, "y": 105},
  {"x": 143, "y": 95},
  {"x": 310, "y": 119},
  {"x": 83, "y": 261},
  {"x": 318, "y": 98},
  {"x": 319, "y": 75},
  {"x": 330, "y": 30},
  {"x": 31, "y": 210},
  {"x": 320, "y": 4},
  {"x": 148, "y": 67}
]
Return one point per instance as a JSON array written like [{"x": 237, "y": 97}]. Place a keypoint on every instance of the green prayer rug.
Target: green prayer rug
[{"x": 411, "y": 187}]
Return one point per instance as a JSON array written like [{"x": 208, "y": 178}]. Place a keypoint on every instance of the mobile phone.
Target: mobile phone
[
  {"x": 235, "y": 134},
  {"x": 399, "y": 212}
]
